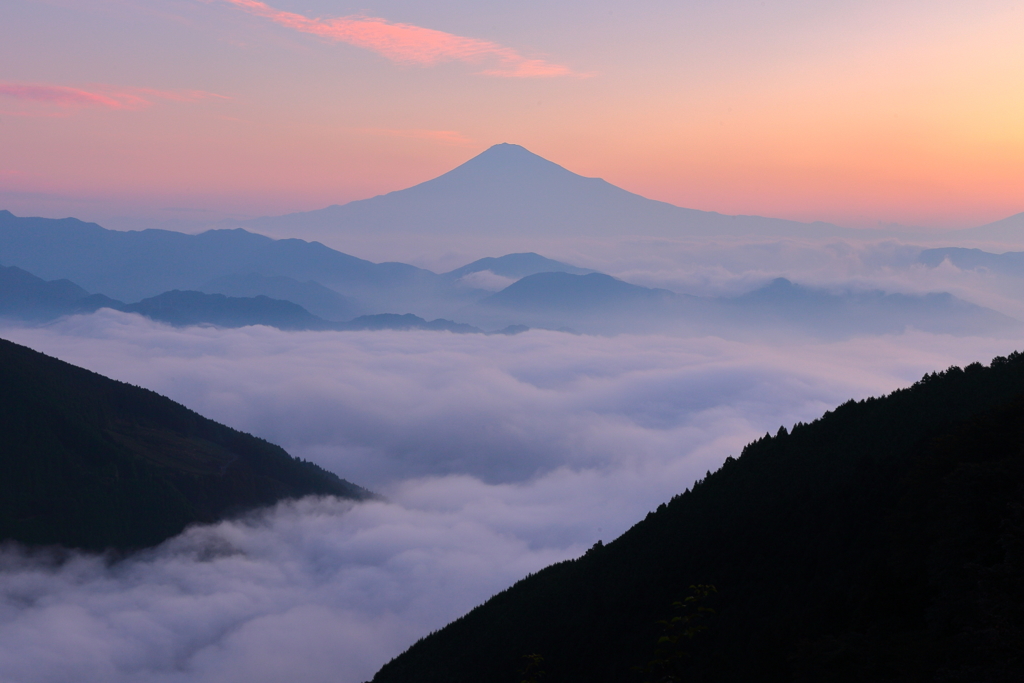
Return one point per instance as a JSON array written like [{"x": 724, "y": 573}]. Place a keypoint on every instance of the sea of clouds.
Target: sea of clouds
[
  {"x": 496, "y": 456},
  {"x": 724, "y": 266}
]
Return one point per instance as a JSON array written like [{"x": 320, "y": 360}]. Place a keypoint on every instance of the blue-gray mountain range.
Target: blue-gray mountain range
[
  {"x": 598, "y": 303},
  {"x": 1009, "y": 263},
  {"x": 24, "y": 296},
  {"x": 590, "y": 302}
]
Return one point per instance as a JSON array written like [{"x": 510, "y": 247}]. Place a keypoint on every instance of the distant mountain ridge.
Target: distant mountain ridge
[
  {"x": 183, "y": 308},
  {"x": 321, "y": 301},
  {"x": 516, "y": 266},
  {"x": 25, "y": 296},
  {"x": 508, "y": 190},
  {"x": 195, "y": 308},
  {"x": 134, "y": 265},
  {"x": 590, "y": 303},
  {"x": 515, "y": 290},
  {"x": 1009, "y": 230},
  {"x": 1009, "y": 263},
  {"x": 598, "y": 303},
  {"x": 571, "y": 293}
]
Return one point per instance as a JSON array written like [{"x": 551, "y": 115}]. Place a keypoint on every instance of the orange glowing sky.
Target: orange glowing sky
[{"x": 855, "y": 113}]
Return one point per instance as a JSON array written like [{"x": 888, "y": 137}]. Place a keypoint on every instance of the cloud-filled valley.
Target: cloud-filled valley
[{"x": 497, "y": 456}]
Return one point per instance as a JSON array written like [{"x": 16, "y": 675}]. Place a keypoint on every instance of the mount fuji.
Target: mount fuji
[{"x": 508, "y": 190}]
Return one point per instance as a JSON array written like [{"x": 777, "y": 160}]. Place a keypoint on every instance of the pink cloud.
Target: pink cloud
[
  {"x": 63, "y": 96},
  {"x": 409, "y": 44},
  {"x": 103, "y": 96}
]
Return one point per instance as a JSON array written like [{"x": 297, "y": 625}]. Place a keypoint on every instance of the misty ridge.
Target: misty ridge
[{"x": 233, "y": 278}]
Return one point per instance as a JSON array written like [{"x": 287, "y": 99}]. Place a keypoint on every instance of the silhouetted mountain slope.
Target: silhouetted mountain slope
[
  {"x": 508, "y": 190},
  {"x": 882, "y": 542},
  {"x": 27, "y": 297},
  {"x": 1010, "y": 263},
  {"x": 195, "y": 308},
  {"x": 314, "y": 297},
  {"x": 92, "y": 463},
  {"x": 138, "y": 264},
  {"x": 516, "y": 266}
]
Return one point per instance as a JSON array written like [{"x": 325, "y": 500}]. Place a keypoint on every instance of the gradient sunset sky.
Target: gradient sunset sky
[{"x": 859, "y": 113}]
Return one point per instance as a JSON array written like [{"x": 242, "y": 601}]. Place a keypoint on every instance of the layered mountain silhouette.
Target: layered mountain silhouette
[
  {"x": 508, "y": 190},
  {"x": 182, "y": 308},
  {"x": 134, "y": 265},
  {"x": 516, "y": 266},
  {"x": 602, "y": 304},
  {"x": 255, "y": 276},
  {"x": 1009, "y": 263},
  {"x": 590, "y": 302},
  {"x": 27, "y": 297},
  {"x": 565, "y": 291},
  {"x": 311, "y": 295},
  {"x": 89, "y": 462},
  {"x": 407, "y": 321},
  {"x": 24, "y": 296},
  {"x": 494, "y": 274},
  {"x": 1008, "y": 230},
  {"x": 782, "y": 303},
  {"x": 882, "y": 542}
]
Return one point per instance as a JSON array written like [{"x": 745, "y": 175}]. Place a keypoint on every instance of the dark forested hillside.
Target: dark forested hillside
[
  {"x": 92, "y": 463},
  {"x": 882, "y": 542}
]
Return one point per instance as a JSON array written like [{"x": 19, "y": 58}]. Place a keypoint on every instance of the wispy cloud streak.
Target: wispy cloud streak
[
  {"x": 103, "y": 96},
  {"x": 409, "y": 44}
]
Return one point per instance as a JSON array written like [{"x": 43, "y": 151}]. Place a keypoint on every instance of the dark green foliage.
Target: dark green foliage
[
  {"x": 689, "y": 617},
  {"x": 533, "y": 669},
  {"x": 92, "y": 463},
  {"x": 882, "y": 542}
]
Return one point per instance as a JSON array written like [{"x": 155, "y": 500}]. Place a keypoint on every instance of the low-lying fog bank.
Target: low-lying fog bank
[{"x": 498, "y": 455}]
